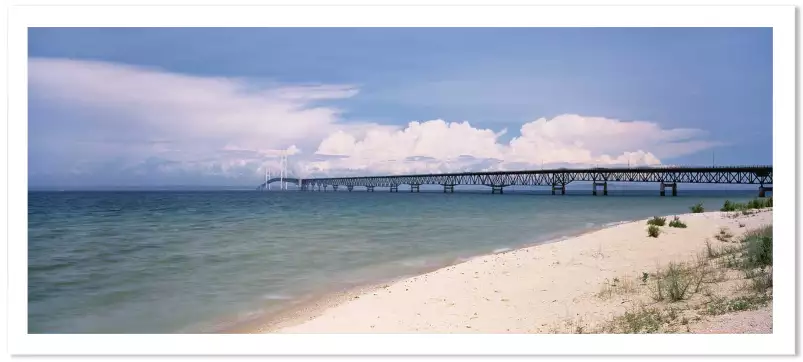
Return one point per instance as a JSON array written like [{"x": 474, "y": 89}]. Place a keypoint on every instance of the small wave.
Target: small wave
[
  {"x": 276, "y": 297},
  {"x": 501, "y": 250},
  {"x": 590, "y": 225},
  {"x": 615, "y": 223},
  {"x": 248, "y": 314},
  {"x": 414, "y": 263}
]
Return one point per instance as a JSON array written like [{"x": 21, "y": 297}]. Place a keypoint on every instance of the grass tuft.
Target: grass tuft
[
  {"x": 616, "y": 286},
  {"x": 676, "y": 223},
  {"x": 653, "y": 231},
  {"x": 724, "y": 235},
  {"x": 758, "y": 247},
  {"x": 678, "y": 281},
  {"x": 657, "y": 221},
  {"x": 697, "y": 208}
]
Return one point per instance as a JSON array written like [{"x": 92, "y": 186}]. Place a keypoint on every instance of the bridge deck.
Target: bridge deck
[{"x": 557, "y": 178}]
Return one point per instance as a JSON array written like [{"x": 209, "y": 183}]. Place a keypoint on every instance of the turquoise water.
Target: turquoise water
[{"x": 173, "y": 262}]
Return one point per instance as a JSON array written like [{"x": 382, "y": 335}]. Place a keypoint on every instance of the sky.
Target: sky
[{"x": 219, "y": 106}]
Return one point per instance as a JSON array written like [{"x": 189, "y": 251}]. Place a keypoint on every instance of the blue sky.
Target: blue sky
[{"x": 217, "y": 106}]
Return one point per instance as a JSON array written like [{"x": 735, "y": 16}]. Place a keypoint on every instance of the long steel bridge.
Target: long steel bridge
[{"x": 556, "y": 179}]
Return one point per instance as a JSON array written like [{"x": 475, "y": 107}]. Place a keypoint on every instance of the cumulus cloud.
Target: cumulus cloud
[
  {"x": 149, "y": 123},
  {"x": 566, "y": 140}
]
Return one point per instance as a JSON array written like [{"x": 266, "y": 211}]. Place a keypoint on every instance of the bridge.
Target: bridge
[
  {"x": 290, "y": 180},
  {"x": 556, "y": 179}
]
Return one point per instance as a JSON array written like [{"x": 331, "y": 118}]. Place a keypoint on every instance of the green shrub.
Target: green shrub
[
  {"x": 653, "y": 231},
  {"x": 758, "y": 247},
  {"x": 657, "y": 221},
  {"x": 676, "y": 223},
  {"x": 730, "y": 206},
  {"x": 698, "y": 208}
]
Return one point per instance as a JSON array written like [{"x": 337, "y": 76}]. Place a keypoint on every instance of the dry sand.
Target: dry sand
[{"x": 529, "y": 290}]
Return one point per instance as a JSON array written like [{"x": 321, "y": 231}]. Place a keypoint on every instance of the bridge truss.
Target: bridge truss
[{"x": 558, "y": 179}]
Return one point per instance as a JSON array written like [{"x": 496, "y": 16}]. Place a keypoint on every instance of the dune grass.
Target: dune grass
[
  {"x": 657, "y": 221},
  {"x": 697, "y": 208},
  {"x": 676, "y": 223}
]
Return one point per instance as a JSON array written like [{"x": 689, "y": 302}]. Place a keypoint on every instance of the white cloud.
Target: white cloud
[
  {"x": 115, "y": 118},
  {"x": 457, "y": 146}
]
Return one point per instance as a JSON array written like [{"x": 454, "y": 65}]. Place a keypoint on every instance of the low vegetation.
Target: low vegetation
[
  {"x": 641, "y": 320},
  {"x": 685, "y": 292},
  {"x": 657, "y": 221},
  {"x": 617, "y": 287},
  {"x": 724, "y": 235},
  {"x": 678, "y": 281},
  {"x": 676, "y": 223},
  {"x": 698, "y": 208},
  {"x": 722, "y": 305},
  {"x": 759, "y": 203},
  {"x": 653, "y": 231},
  {"x": 758, "y": 247}
]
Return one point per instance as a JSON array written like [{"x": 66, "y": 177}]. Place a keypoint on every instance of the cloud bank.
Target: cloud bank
[{"x": 91, "y": 119}]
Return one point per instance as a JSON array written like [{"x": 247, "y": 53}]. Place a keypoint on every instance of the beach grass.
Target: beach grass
[
  {"x": 657, "y": 221},
  {"x": 676, "y": 223},
  {"x": 697, "y": 208},
  {"x": 653, "y": 231}
]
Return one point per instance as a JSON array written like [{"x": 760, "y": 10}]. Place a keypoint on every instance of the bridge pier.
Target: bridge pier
[
  {"x": 325, "y": 187},
  {"x": 673, "y": 185},
  {"x": 415, "y": 188},
  {"x": 448, "y": 188},
  {"x": 394, "y": 188},
  {"x": 762, "y": 191},
  {"x": 369, "y": 188},
  {"x": 349, "y": 188},
  {"x": 334, "y": 188},
  {"x": 604, "y": 188},
  {"x": 561, "y": 187},
  {"x": 497, "y": 188}
]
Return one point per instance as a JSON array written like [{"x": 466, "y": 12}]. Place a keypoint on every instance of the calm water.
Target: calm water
[{"x": 166, "y": 262}]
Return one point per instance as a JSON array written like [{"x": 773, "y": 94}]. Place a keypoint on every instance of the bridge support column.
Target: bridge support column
[
  {"x": 394, "y": 188},
  {"x": 369, "y": 188},
  {"x": 673, "y": 185},
  {"x": 349, "y": 188},
  {"x": 334, "y": 188},
  {"x": 448, "y": 188},
  {"x": 415, "y": 188},
  {"x": 325, "y": 187},
  {"x": 604, "y": 188},
  {"x": 497, "y": 188},
  {"x": 762, "y": 191},
  {"x": 561, "y": 187}
]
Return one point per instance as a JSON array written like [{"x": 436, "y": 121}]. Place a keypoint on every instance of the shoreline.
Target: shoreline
[
  {"x": 325, "y": 313},
  {"x": 311, "y": 306}
]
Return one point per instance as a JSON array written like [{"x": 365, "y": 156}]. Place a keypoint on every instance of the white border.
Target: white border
[{"x": 782, "y": 19}]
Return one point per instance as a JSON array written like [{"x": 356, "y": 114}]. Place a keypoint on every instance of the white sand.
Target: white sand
[{"x": 525, "y": 290}]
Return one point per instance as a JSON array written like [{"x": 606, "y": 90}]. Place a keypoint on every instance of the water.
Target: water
[{"x": 167, "y": 262}]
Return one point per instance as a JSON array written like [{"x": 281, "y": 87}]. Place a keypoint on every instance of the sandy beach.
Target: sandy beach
[{"x": 549, "y": 288}]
